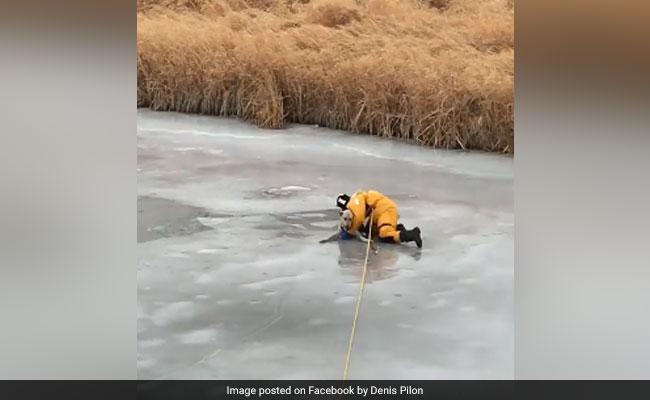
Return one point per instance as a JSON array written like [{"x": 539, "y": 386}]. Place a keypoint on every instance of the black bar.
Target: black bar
[{"x": 218, "y": 389}]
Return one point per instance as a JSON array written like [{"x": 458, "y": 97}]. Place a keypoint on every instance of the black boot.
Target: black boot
[{"x": 411, "y": 236}]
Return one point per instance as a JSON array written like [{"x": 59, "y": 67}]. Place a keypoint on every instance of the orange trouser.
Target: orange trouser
[{"x": 387, "y": 225}]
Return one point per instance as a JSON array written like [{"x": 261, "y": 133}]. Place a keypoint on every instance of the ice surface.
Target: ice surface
[{"x": 233, "y": 283}]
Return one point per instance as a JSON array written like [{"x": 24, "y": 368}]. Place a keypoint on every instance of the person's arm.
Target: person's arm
[{"x": 363, "y": 229}]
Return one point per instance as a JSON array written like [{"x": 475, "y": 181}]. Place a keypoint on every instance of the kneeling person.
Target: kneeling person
[{"x": 356, "y": 212}]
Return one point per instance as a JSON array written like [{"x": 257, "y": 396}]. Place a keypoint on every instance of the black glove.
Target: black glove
[{"x": 363, "y": 232}]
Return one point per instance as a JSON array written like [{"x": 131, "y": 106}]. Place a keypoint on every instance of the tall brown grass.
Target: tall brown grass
[{"x": 438, "y": 72}]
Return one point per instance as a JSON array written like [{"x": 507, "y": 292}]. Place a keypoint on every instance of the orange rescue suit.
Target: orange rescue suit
[{"x": 384, "y": 214}]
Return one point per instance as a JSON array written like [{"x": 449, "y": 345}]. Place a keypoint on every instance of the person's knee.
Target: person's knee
[{"x": 388, "y": 234}]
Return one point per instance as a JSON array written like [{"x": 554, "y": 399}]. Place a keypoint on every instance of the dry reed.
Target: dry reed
[{"x": 437, "y": 72}]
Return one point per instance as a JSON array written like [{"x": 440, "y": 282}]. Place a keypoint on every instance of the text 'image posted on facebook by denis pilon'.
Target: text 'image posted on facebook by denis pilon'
[{"x": 329, "y": 390}]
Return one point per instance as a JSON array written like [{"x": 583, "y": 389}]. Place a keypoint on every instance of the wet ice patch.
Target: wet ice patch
[
  {"x": 284, "y": 191},
  {"x": 272, "y": 192},
  {"x": 197, "y": 337},
  {"x": 163, "y": 218}
]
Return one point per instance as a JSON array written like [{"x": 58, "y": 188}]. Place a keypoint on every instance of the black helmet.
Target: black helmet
[{"x": 342, "y": 201}]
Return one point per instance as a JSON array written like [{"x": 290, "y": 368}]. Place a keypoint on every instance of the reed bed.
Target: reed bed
[{"x": 436, "y": 72}]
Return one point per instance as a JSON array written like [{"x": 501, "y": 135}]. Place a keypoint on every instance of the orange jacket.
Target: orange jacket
[{"x": 361, "y": 204}]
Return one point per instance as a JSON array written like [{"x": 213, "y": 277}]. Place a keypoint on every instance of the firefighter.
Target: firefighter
[{"x": 355, "y": 215}]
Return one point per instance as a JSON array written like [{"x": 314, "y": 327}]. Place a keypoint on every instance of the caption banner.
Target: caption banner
[{"x": 325, "y": 390}]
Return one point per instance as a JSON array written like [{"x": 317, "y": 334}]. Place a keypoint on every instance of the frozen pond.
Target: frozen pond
[{"x": 233, "y": 284}]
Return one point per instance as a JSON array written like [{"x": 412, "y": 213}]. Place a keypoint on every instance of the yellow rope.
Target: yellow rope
[{"x": 356, "y": 312}]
